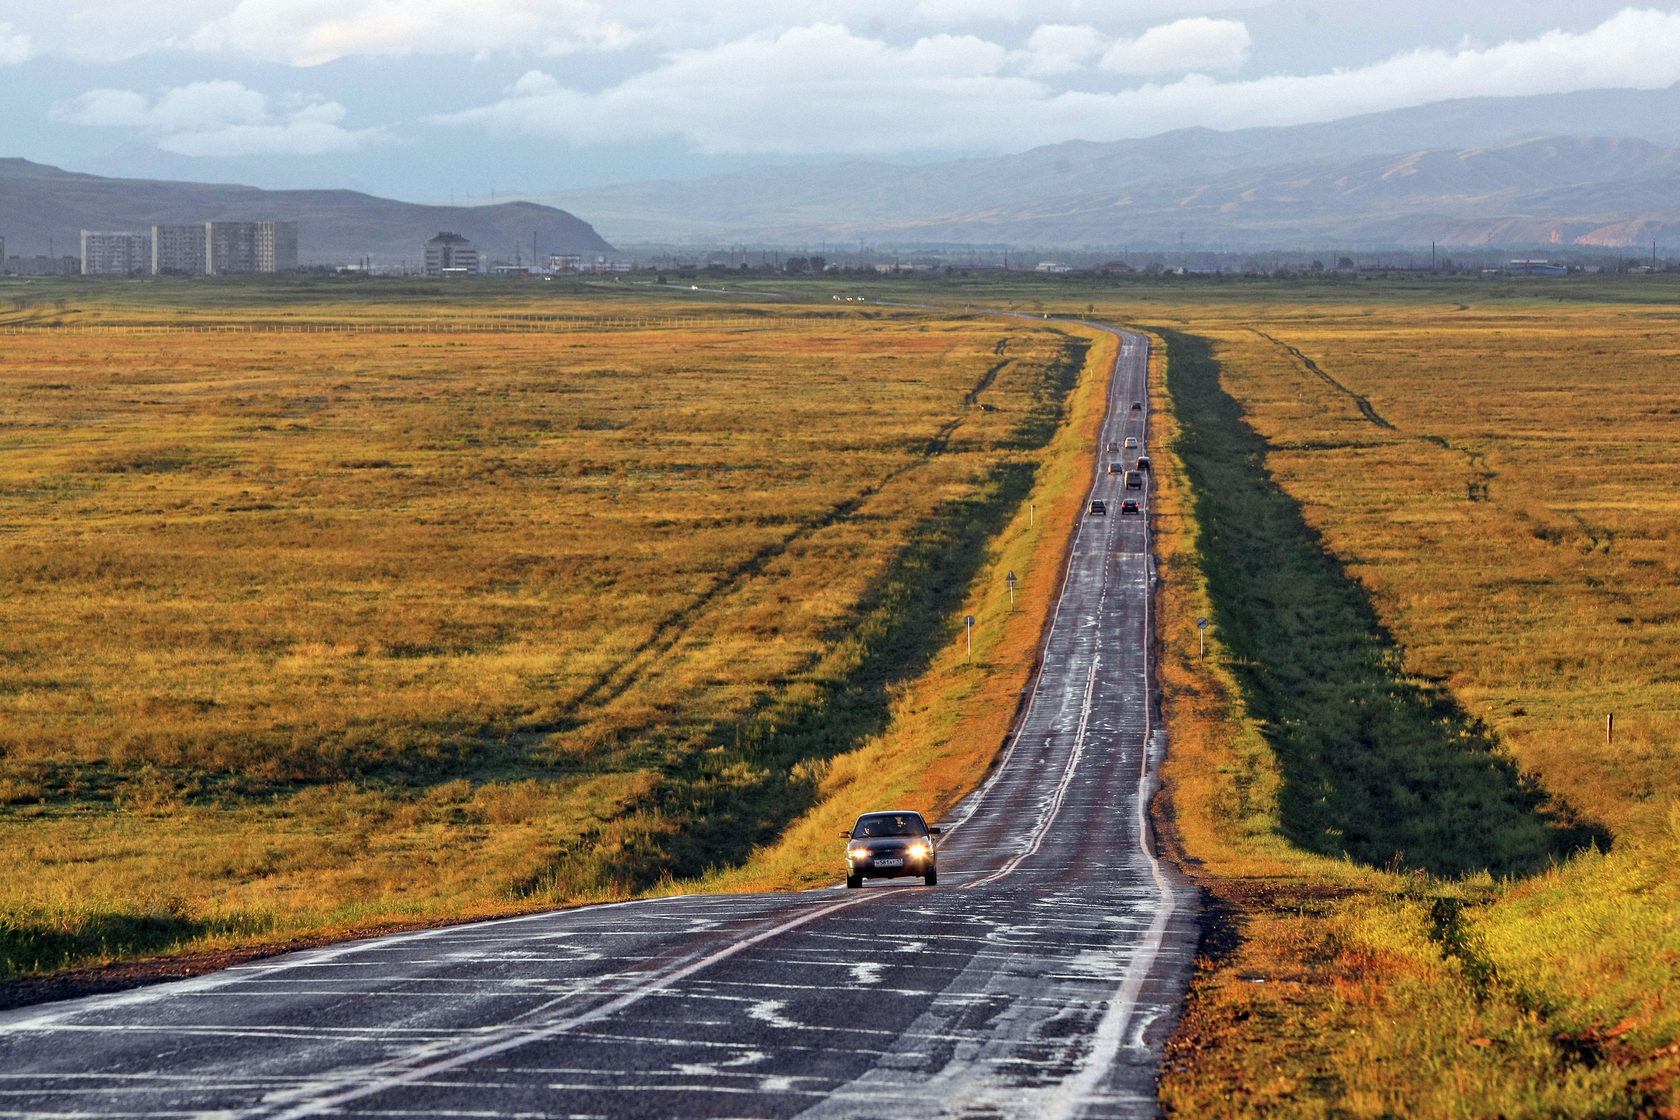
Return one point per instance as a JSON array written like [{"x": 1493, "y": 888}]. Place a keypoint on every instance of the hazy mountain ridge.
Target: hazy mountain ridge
[
  {"x": 1464, "y": 172},
  {"x": 38, "y": 202}
]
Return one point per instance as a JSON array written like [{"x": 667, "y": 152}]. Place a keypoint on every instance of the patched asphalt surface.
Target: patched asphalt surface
[{"x": 1039, "y": 978}]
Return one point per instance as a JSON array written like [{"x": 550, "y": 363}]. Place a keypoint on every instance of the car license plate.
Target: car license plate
[{"x": 899, "y": 862}]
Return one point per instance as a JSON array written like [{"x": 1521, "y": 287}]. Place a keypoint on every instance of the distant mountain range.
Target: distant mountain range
[
  {"x": 1596, "y": 168},
  {"x": 42, "y": 206}
]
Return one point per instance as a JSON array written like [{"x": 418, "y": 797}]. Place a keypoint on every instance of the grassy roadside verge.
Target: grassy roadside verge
[{"x": 1343, "y": 988}]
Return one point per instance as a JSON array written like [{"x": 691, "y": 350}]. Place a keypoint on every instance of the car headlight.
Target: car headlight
[
  {"x": 859, "y": 853},
  {"x": 917, "y": 851}
]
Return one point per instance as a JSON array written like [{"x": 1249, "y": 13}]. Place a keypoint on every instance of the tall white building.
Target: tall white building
[
  {"x": 224, "y": 248},
  {"x": 115, "y": 254},
  {"x": 234, "y": 248},
  {"x": 450, "y": 254},
  {"x": 277, "y": 246},
  {"x": 178, "y": 250}
]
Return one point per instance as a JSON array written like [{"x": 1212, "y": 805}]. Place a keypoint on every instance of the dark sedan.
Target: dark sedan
[{"x": 890, "y": 845}]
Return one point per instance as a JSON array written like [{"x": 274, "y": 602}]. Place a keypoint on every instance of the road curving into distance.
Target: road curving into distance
[{"x": 1038, "y": 979}]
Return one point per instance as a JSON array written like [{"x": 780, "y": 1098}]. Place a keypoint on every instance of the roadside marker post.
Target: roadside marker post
[
  {"x": 968, "y": 621},
  {"x": 1201, "y": 635},
  {"x": 1010, "y": 581}
]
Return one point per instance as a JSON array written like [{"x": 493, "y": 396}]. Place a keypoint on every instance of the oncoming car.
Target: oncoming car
[{"x": 890, "y": 845}]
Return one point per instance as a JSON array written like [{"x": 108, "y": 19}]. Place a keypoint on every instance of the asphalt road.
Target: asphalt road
[{"x": 1038, "y": 979}]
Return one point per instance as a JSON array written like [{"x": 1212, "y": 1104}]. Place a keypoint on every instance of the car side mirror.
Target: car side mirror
[
  {"x": 845, "y": 836},
  {"x": 934, "y": 830}
]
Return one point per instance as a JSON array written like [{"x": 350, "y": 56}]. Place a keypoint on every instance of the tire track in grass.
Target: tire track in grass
[
  {"x": 618, "y": 678},
  {"x": 1365, "y": 407}
]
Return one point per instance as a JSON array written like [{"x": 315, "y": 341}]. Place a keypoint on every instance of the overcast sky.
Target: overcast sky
[{"x": 432, "y": 99}]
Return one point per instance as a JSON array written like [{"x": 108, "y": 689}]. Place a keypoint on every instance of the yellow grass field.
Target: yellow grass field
[
  {"x": 1493, "y": 476},
  {"x": 328, "y": 613}
]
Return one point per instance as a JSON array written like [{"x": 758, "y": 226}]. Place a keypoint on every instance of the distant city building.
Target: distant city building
[
  {"x": 450, "y": 254},
  {"x": 565, "y": 262},
  {"x": 238, "y": 248},
  {"x": 179, "y": 250},
  {"x": 1536, "y": 268},
  {"x": 224, "y": 248},
  {"x": 42, "y": 265},
  {"x": 1053, "y": 266},
  {"x": 115, "y": 254}
]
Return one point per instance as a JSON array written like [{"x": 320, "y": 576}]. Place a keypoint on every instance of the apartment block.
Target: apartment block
[
  {"x": 179, "y": 250},
  {"x": 233, "y": 248},
  {"x": 224, "y": 248},
  {"x": 115, "y": 254}
]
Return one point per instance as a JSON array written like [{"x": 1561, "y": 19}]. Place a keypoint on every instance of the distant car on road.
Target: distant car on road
[
  {"x": 1143, "y": 462},
  {"x": 1099, "y": 508},
  {"x": 1134, "y": 480},
  {"x": 1131, "y": 442},
  {"x": 1129, "y": 506},
  {"x": 1137, "y": 406},
  {"x": 1113, "y": 446},
  {"x": 1116, "y": 468},
  {"x": 889, "y": 846}
]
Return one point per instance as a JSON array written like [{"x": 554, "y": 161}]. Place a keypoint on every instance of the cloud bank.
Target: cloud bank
[
  {"x": 825, "y": 89},
  {"x": 219, "y": 119}
]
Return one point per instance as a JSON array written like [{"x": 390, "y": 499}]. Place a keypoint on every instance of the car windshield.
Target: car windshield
[{"x": 888, "y": 824}]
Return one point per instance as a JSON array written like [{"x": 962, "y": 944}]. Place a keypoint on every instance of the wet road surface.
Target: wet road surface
[{"x": 1038, "y": 979}]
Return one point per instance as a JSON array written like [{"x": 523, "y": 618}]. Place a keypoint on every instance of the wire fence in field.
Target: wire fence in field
[{"x": 490, "y": 324}]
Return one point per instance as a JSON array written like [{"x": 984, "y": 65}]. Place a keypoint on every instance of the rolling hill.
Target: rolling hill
[
  {"x": 41, "y": 205},
  {"x": 1597, "y": 167}
]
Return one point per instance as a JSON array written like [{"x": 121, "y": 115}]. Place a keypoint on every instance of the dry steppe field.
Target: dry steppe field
[
  {"x": 328, "y": 611},
  {"x": 1437, "y": 530}
]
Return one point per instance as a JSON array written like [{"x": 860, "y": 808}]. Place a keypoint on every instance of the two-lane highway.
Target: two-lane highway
[{"x": 1038, "y": 979}]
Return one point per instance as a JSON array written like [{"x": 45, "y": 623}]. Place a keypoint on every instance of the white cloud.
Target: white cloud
[
  {"x": 1198, "y": 44},
  {"x": 311, "y": 32},
  {"x": 15, "y": 46},
  {"x": 219, "y": 119},
  {"x": 1059, "y": 48},
  {"x": 810, "y": 89},
  {"x": 824, "y": 89}
]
